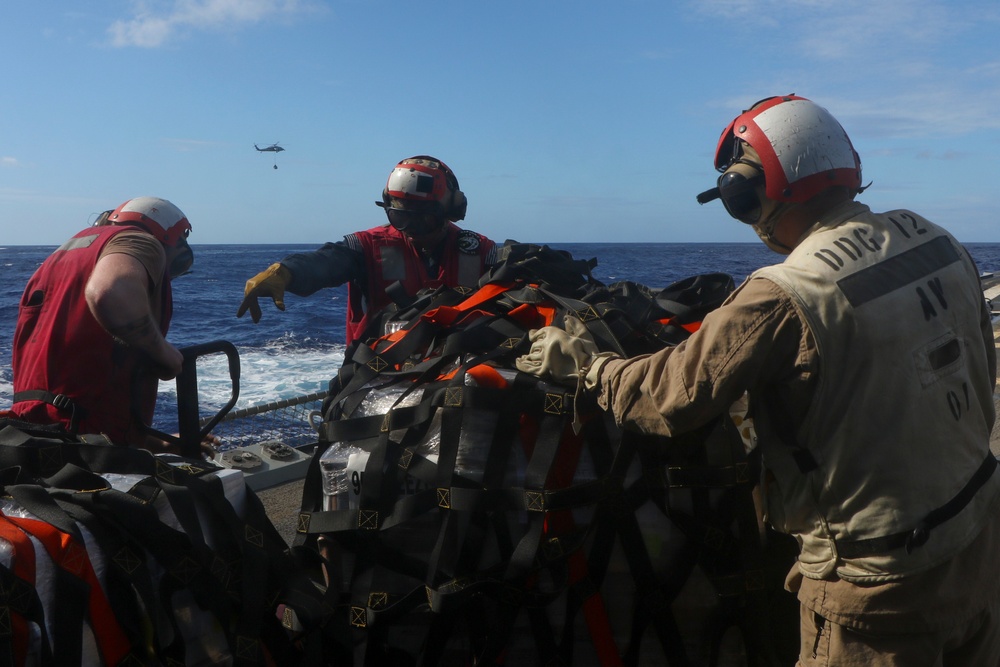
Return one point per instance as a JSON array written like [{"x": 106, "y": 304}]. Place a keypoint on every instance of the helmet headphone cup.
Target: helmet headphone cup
[
  {"x": 740, "y": 186},
  {"x": 456, "y": 211}
]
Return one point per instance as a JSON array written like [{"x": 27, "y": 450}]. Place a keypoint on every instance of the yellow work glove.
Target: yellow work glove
[
  {"x": 558, "y": 354},
  {"x": 271, "y": 282}
]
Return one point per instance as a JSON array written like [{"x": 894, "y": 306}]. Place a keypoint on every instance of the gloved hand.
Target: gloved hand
[
  {"x": 557, "y": 354},
  {"x": 271, "y": 282}
]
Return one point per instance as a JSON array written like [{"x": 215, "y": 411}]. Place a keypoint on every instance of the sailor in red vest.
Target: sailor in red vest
[
  {"x": 97, "y": 308},
  {"x": 420, "y": 247}
]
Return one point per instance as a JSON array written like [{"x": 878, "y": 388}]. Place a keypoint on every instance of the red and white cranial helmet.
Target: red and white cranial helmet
[
  {"x": 801, "y": 148},
  {"x": 780, "y": 153},
  {"x": 157, "y": 216},
  {"x": 425, "y": 184}
]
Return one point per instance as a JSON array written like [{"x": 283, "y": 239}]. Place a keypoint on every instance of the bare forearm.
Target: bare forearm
[
  {"x": 118, "y": 299},
  {"x": 141, "y": 332}
]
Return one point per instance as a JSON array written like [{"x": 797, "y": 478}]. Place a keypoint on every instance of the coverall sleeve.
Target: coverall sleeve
[
  {"x": 755, "y": 339},
  {"x": 331, "y": 265}
]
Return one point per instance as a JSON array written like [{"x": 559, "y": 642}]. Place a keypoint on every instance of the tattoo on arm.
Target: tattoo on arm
[{"x": 140, "y": 332}]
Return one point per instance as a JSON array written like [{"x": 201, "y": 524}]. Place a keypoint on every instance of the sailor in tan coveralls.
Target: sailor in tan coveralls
[{"x": 869, "y": 362}]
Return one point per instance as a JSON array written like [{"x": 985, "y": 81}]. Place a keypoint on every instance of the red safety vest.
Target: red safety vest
[
  {"x": 391, "y": 257},
  {"x": 60, "y": 347}
]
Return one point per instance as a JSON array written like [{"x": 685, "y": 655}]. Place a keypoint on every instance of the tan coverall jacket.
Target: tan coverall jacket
[{"x": 758, "y": 342}]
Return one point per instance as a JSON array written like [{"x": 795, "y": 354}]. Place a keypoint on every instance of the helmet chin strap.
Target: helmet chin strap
[{"x": 769, "y": 220}]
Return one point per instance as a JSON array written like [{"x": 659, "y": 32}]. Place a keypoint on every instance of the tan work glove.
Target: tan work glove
[
  {"x": 558, "y": 355},
  {"x": 271, "y": 282}
]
